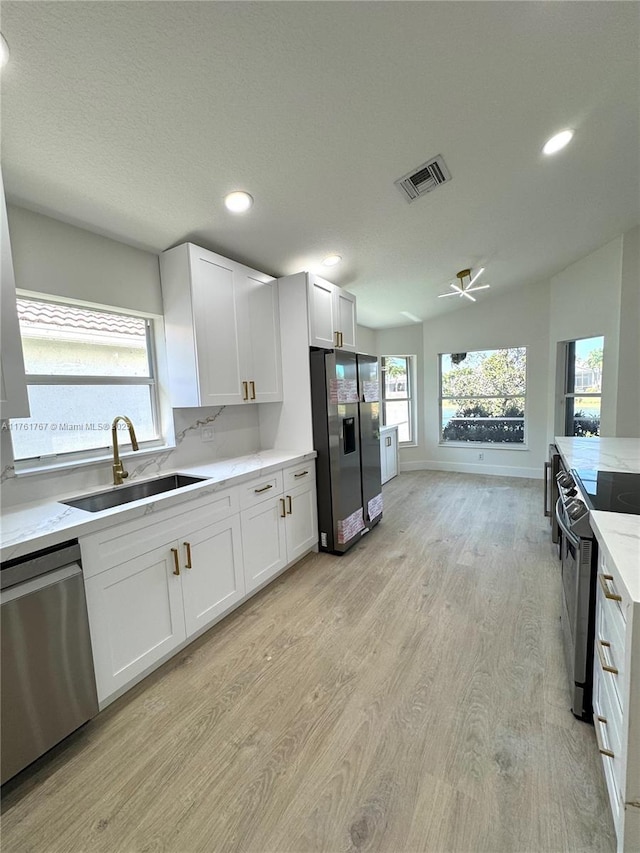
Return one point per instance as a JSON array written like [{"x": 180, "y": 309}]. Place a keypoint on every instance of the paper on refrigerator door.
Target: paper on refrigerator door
[
  {"x": 374, "y": 507},
  {"x": 351, "y": 525},
  {"x": 370, "y": 393},
  {"x": 343, "y": 391}
]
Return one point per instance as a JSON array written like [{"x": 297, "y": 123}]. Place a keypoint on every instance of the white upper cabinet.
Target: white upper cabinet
[
  {"x": 332, "y": 315},
  {"x": 222, "y": 330},
  {"x": 14, "y": 402}
]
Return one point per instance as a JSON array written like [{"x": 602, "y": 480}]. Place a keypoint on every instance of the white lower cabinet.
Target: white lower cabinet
[
  {"x": 155, "y": 582},
  {"x": 281, "y": 528},
  {"x": 212, "y": 577},
  {"x": 136, "y": 617},
  {"x": 388, "y": 453}
]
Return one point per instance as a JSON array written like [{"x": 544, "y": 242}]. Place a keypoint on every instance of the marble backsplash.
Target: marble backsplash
[{"x": 236, "y": 432}]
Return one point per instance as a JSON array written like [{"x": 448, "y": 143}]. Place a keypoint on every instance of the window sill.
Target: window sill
[
  {"x": 473, "y": 445},
  {"x": 42, "y": 467}
]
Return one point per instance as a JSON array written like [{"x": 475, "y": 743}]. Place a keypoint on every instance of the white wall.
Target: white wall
[
  {"x": 366, "y": 340},
  {"x": 518, "y": 318},
  {"x": 61, "y": 260},
  {"x": 585, "y": 302},
  {"x": 628, "y": 402}
]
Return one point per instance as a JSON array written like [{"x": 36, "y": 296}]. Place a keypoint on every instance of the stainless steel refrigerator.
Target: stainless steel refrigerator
[{"x": 346, "y": 435}]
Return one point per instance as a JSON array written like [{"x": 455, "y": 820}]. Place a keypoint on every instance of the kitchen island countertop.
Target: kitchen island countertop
[{"x": 602, "y": 454}]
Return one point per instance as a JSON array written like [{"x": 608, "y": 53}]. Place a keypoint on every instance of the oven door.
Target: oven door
[{"x": 577, "y": 613}]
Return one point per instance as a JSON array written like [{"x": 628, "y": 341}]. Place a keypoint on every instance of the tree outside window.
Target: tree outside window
[{"x": 483, "y": 396}]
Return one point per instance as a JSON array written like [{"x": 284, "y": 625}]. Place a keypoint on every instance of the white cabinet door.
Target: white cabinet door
[
  {"x": 14, "y": 402},
  {"x": 222, "y": 360},
  {"x": 222, "y": 330},
  {"x": 332, "y": 315},
  {"x": 345, "y": 313},
  {"x": 388, "y": 454},
  {"x": 211, "y": 567},
  {"x": 264, "y": 363},
  {"x": 263, "y": 541},
  {"x": 135, "y": 616},
  {"x": 301, "y": 521},
  {"x": 321, "y": 313}
]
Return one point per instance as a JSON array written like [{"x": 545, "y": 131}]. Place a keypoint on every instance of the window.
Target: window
[
  {"x": 83, "y": 368},
  {"x": 397, "y": 395},
  {"x": 482, "y": 396},
  {"x": 583, "y": 387}
]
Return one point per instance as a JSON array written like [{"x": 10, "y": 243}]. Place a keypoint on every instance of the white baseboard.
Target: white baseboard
[{"x": 472, "y": 468}]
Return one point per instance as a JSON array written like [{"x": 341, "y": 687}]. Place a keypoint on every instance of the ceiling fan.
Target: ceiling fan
[{"x": 466, "y": 290}]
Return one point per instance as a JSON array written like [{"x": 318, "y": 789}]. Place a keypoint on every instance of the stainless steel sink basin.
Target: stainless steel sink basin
[{"x": 134, "y": 492}]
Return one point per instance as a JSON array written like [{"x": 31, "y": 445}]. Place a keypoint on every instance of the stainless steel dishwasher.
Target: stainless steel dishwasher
[{"x": 48, "y": 686}]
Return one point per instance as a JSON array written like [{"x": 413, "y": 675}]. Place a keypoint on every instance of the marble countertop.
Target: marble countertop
[
  {"x": 618, "y": 533},
  {"x": 603, "y": 454},
  {"x": 30, "y": 527}
]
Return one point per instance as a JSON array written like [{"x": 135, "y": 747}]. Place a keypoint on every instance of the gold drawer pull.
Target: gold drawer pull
[
  {"x": 245, "y": 390},
  {"x": 301, "y": 474},
  {"x": 289, "y": 507},
  {"x": 188, "y": 565},
  {"x": 600, "y": 647},
  {"x": 253, "y": 390},
  {"x": 337, "y": 334},
  {"x": 388, "y": 441},
  {"x": 283, "y": 511},
  {"x": 596, "y": 725},
  {"x": 612, "y": 596},
  {"x": 176, "y": 561},
  {"x": 263, "y": 489}
]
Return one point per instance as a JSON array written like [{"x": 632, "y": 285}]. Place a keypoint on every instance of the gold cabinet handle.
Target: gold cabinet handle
[
  {"x": 388, "y": 441},
  {"x": 176, "y": 561},
  {"x": 612, "y": 596},
  {"x": 301, "y": 474},
  {"x": 283, "y": 511},
  {"x": 596, "y": 725},
  {"x": 341, "y": 339},
  {"x": 289, "y": 505},
  {"x": 263, "y": 489},
  {"x": 245, "y": 390},
  {"x": 188, "y": 565},
  {"x": 253, "y": 390},
  {"x": 337, "y": 334},
  {"x": 600, "y": 647}
]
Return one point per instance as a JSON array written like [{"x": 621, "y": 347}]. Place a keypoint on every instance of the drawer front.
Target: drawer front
[
  {"x": 610, "y": 644},
  {"x": 115, "y": 545},
  {"x": 260, "y": 489},
  {"x": 299, "y": 474},
  {"x": 608, "y": 726},
  {"x": 607, "y": 585}
]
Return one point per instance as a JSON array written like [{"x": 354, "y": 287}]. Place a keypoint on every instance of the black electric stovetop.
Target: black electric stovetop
[{"x": 611, "y": 491}]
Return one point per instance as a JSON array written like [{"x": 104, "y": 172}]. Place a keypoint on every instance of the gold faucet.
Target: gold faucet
[{"x": 119, "y": 474}]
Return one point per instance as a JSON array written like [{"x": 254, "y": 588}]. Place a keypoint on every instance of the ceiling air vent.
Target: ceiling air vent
[{"x": 423, "y": 179}]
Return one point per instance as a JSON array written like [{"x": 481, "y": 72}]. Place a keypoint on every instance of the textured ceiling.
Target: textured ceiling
[{"x": 133, "y": 119}]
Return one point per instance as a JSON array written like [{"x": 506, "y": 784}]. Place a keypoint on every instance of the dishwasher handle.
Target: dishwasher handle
[{"x": 19, "y": 590}]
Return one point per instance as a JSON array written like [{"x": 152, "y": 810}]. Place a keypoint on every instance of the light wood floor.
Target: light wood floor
[{"x": 409, "y": 696}]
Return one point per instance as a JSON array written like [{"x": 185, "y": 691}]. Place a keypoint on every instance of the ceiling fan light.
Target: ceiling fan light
[
  {"x": 476, "y": 277},
  {"x": 557, "y": 142}
]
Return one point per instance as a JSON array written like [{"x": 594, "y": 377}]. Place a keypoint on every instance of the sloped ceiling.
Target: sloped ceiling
[{"x": 133, "y": 119}]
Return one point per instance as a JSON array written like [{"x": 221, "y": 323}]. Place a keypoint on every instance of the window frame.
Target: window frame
[
  {"x": 569, "y": 397},
  {"x": 409, "y": 399},
  {"x": 74, "y": 458},
  {"x": 488, "y": 445}
]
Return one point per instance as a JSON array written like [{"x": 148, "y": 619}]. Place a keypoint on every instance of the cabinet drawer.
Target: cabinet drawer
[
  {"x": 610, "y": 644},
  {"x": 260, "y": 489},
  {"x": 299, "y": 474},
  {"x": 608, "y": 586},
  {"x": 608, "y": 730}
]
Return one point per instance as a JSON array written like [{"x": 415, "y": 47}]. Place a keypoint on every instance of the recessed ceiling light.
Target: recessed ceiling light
[
  {"x": 238, "y": 202},
  {"x": 557, "y": 142},
  {"x": 332, "y": 260},
  {"x": 4, "y": 51}
]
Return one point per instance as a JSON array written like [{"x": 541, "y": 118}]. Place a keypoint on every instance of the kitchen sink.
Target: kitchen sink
[{"x": 134, "y": 492}]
